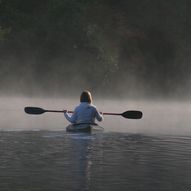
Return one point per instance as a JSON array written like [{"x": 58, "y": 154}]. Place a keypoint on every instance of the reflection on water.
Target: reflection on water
[{"x": 56, "y": 160}]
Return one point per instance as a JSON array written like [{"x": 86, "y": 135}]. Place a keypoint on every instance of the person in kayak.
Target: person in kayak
[{"x": 85, "y": 112}]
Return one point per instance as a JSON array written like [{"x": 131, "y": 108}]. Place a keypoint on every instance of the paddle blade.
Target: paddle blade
[
  {"x": 132, "y": 114},
  {"x": 34, "y": 110}
]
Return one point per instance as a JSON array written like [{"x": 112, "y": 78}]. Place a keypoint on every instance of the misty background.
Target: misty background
[{"x": 136, "y": 48}]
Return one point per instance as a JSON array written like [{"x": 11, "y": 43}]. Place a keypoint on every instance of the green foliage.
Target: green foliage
[{"x": 4, "y": 32}]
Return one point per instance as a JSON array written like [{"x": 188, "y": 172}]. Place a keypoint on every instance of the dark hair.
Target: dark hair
[{"x": 86, "y": 97}]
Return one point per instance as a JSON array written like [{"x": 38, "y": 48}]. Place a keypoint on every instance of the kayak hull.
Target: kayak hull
[{"x": 79, "y": 128}]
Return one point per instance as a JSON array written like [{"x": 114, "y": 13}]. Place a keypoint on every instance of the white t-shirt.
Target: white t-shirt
[{"x": 84, "y": 113}]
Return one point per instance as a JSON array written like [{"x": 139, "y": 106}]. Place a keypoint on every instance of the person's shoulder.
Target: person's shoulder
[
  {"x": 93, "y": 106},
  {"x": 77, "y": 107}
]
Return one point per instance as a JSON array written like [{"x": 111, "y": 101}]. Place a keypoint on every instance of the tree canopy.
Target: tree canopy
[{"x": 127, "y": 45}]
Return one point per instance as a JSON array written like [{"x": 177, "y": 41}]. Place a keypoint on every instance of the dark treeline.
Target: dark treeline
[{"x": 125, "y": 46}]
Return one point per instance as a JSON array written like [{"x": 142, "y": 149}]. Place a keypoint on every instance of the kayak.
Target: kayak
[{"x": 80, "y": 127}]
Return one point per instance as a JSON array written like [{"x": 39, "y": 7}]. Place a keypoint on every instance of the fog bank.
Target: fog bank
[{"x": 166, "y": 118}]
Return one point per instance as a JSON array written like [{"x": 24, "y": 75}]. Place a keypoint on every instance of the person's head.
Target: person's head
[{"x": 86, "y": 97}]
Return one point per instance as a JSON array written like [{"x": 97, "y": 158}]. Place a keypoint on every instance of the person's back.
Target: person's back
[{"x": 85, "y": 112}]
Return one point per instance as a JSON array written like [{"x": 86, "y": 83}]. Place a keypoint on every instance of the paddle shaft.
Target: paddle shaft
[
  {"x": 59, "y": 111},
  {"x": 111, "y": 113}
]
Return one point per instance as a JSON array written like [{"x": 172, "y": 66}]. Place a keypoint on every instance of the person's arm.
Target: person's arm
[
  {"x": 99, "y": 116},
  {"x": 70, "y": 118}
]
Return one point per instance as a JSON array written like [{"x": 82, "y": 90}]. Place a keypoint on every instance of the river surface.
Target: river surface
[
  {"x": 56, "y": 160},
  {"x": 37, "y": 154}
]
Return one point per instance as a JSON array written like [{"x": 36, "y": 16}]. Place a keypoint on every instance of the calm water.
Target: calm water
[{"x": 57, "y": 161}]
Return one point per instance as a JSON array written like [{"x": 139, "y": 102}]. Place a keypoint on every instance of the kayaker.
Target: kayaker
[{"x": 85, "y": 112}]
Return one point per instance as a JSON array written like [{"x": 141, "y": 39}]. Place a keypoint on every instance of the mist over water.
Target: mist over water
[
  {"x": 128, "y": 55},
  {"x": 159, "y": 117}
]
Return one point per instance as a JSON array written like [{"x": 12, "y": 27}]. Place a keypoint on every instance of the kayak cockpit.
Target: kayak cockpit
[{"x": 80, "y": 127}]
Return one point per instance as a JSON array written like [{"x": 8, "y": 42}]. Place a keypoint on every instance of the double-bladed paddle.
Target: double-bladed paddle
[{"x": 131, "y": 114}]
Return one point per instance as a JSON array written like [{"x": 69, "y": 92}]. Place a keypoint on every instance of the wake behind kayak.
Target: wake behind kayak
[{"x": 82, "y": 127}]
